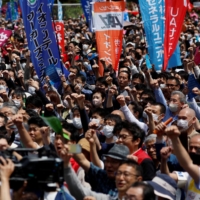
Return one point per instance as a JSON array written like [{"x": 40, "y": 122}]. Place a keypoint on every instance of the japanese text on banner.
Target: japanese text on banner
[
  {"x": 153, "y": 17},
  {"x": 108, "y": 23},
  {"x": 41, "y": 39}
]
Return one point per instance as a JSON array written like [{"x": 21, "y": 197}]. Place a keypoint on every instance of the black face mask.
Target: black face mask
[{"x": 195, "y": 158}]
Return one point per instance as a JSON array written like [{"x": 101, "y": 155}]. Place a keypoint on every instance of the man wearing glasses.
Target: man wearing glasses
[{"x": 130, "y": 135}]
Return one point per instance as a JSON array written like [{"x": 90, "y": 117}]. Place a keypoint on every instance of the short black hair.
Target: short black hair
[
  {"x": 184, "y": 75},
  {"x": 148, "y": 190},
  {"x": 32, "y": 113},
  {"x": 139, "y": 76},
  {"x": 174, "y": 78},
  {"x": 83, "y": 79},
  {"x": 102, "y": 80},
  {"x": 34, "y": 100},
  {"x": 135, "y": 165},
  {"x": 19, "y": 92},
  {"x": 150, "y": 94},
  {"x": 70, "y": 128},
  {"x": 103, "y": 95},
  {"x": 162, "y": 107},
  {"x": 37, "y": 121},
  {"x": 134, "y": 130},
  {"x": 129, "y": 75},
  {"x": 101, "y": 112},
  {"x": 113, "y": 117},
  {"x": 137, "y": 108}
]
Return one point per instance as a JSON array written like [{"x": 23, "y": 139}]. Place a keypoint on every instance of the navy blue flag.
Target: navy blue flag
[
  {"x": 86, "y": 6},
  {"x": 41, "y": 40}
]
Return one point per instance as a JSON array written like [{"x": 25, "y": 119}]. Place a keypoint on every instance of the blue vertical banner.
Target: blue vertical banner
[
  {"x": 60, "y": 11},
  {"x": 153, "y": 18},
  {"x": 12, "y": 11},
  {"x": 87, "y": 9},
  {"x": 50, "y": 4},
  {"x": 41, "y": 40}
]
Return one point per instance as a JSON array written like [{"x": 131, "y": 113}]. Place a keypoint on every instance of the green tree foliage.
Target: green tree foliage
[{"x": 69, "y": 11}]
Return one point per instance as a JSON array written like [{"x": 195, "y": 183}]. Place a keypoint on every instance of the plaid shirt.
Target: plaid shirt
[{"x": 100, "y": 182}]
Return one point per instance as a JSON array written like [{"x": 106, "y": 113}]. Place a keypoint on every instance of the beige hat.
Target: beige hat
[{"x": 84, "y": 144}]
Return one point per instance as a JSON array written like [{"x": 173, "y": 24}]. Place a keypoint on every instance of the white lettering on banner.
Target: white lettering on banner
[
  {"x": 108, "y": 21},
  {"x": 154, "y": 18},
  {"x": 87, "y": 9},
  {"x": 110, "y": 8},
  {"x": 3, "y": 37},
  {"x": 174, "y": 15},
  {"x": 161, "y": 9},
  {"x": 155, "y": 10},
  {"x": 172, "y": 22},
  {"x": 173, "y": 26},
  {"x": 151, "y": 2},
  {"x": 155, "y": 28},
  {"x": 158, "y": 39},
  {"x": 107, "y": 52},
  {"x": 152, "y": 10}
]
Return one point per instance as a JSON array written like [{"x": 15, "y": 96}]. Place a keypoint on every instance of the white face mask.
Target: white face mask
[
  {"x": 162, "y": 85},
  {"x": 80, "y": 86},
  {"x": 77, "y": 123},
  {"x": 35, "y": 77},
  {"x": 97, "y": 121},
  {"x": 183, "y": 124},
  {"x": 155, "y": 117},
  {"x": 3, "y": 87},
  {"x": 173, "y": 107},
  {"x": 96, "y": 102},
  {"x": 108, "y": 131},
  {"x": 17, "y": 103},
  {"x": 31, "y": 90},
  {"x": 85, "y": 64},
  {"x": 85, "y": 47},
  {"x": 36, "y": 110},
  {"x": 23, "y": 65}
]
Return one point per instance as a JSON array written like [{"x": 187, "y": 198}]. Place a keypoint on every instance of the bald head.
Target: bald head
[
  {"x": 194, "y": 144},
  {"x": 188, "y": 112},
  {"x": 119, "y": 113}
]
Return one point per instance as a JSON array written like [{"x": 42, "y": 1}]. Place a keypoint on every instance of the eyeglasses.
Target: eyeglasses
[
  {"x": 170, "y": 85},
  {"x": 151, "y": 146},
  {"x": 130, "y": 197},
  {"x": 124, "y": 137},
  {"x": 125, "y": 174}
]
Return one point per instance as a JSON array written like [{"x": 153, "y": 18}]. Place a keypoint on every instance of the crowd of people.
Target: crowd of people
[{"x": 128, "y": 152}]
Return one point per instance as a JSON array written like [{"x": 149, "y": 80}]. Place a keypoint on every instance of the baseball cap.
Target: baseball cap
[
  {"x": 132, "y": 44},
  {"x": 119, "y": 152},
  {"x": 164, "y": 186}
]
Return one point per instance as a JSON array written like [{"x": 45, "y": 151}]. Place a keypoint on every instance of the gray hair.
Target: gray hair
[
  {"x": 10, "y": 105},
  {"x": 150, "y": 137},
  {"x": 181, "y": 96}
]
